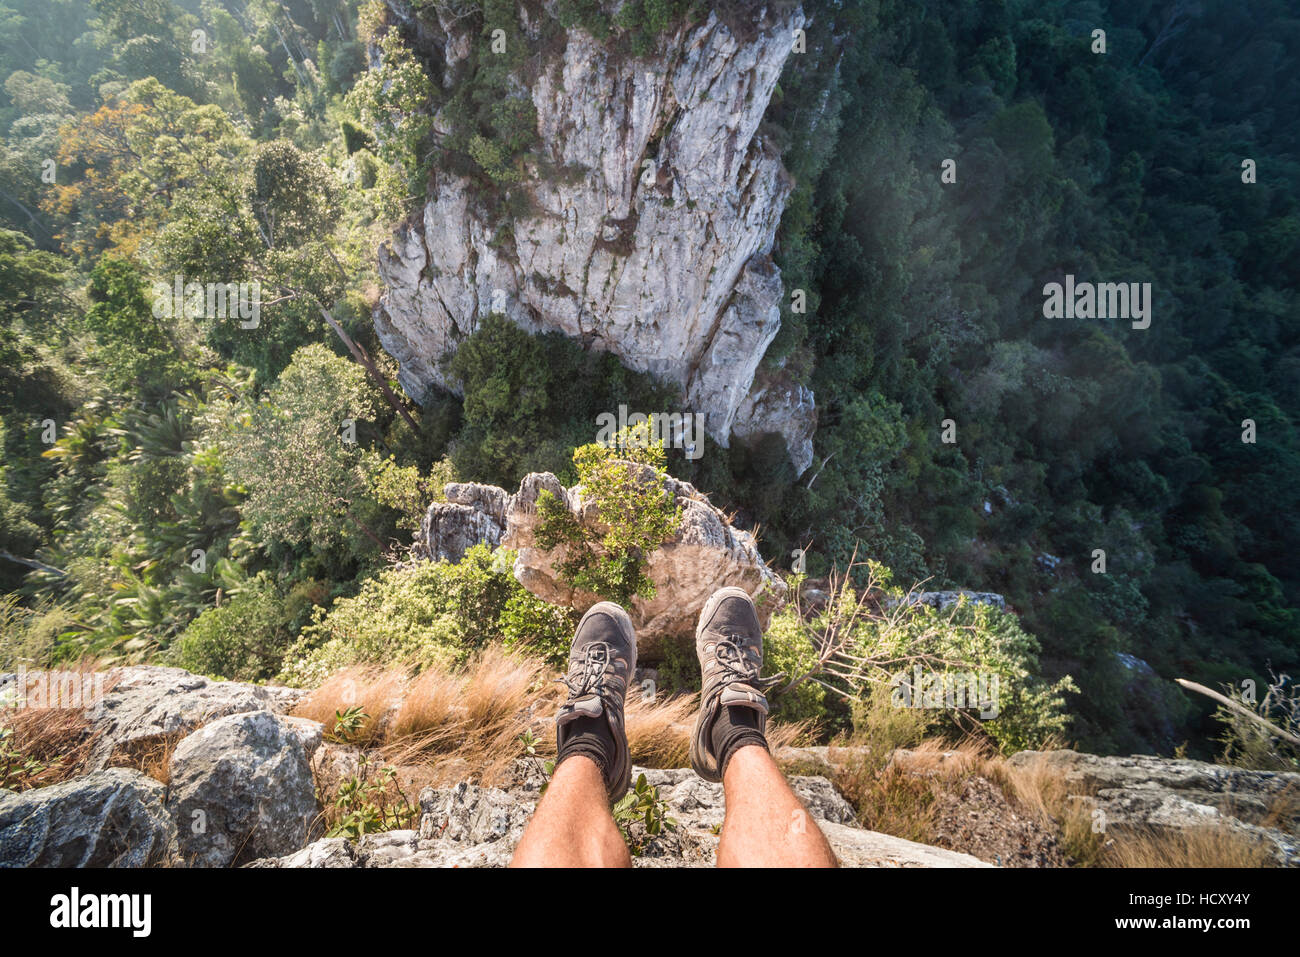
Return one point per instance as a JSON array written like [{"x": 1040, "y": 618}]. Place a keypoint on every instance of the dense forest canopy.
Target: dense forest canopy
[{"x": 204, "y": 489}]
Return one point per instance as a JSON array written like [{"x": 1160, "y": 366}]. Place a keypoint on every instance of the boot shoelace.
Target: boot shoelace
[
  {"x": 595, "y": 669},
  {"x": 738, "y": 667}
]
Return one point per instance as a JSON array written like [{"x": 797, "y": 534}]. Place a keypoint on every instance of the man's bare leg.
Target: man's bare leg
[
  {"x": 766, "y": 824},
  {"x": 572, "y": 826}
]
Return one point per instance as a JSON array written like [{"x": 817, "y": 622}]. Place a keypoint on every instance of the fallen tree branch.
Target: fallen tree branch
[
  {"x": 33, "y": 563},
  {"x": 1240, "y": 709}
]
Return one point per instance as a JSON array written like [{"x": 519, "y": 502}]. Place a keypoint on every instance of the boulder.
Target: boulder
[
  {"x": 469, "y": 515},
  {"x": 242, "y": 788},
  {"x": 112, "y": 818},
  {"x": 145, "y": 703}
]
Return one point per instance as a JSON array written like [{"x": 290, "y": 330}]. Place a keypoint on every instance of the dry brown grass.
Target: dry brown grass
[
  {"x": 51, "y": 729},
  {"x": 57, "y": 740},
  {"x": 1044, "y": 792},
  {"x": 895, "y": 792},
  {"x": 440, "y": 724},
  {"x": 1218, "y": 846},
  {"x": 373, "y": 690},
  {"x": 445, "y": 725},
  {"x": 659, "y": 730},
  {"x": 897, "y": 796},
  {"x": 152, "y": 756},
  {"x": 468, "y": 722}
]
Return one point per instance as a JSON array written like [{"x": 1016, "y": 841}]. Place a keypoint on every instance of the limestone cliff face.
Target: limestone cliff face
[{"x": 653, "y": 243}]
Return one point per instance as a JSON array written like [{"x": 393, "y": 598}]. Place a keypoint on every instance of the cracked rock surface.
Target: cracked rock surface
[{"x": 650, "y": 234}]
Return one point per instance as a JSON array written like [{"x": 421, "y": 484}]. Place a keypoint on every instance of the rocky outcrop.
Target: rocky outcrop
[
  {"x": 1146, "y": 793},
  {"x": 468, "y": 515},
  {"x": 112, "y": 818},
  {"x": 943, "y": 600},
  {"x": 654, "y": 205},
  {"x": 470, "y": 826},
  {"x": 242, "y": 788},
  {"x": 146, "y": 703},
  {"x": 707, "y": 553}
]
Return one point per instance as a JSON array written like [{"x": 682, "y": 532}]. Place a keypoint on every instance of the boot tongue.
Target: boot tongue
[
  {"x": 588, "y": 706},
  {"x": 743, "y": 696}
]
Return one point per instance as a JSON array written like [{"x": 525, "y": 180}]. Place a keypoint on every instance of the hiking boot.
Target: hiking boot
[
  {"x": 729, "y": 644},
  {"x": 601, "y": 663}
]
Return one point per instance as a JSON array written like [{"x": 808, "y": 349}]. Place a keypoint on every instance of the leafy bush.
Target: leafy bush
[
  {"x": 544, "y": 629},
  {"x": 863, "y": 640},
  {"x": 425, "y": 614},
  {"x": 301, "y": 476},
  {"x": 245, "y": 638},
  {"x": 788, "y": 648},
  {"x": 636, "y": 511}
]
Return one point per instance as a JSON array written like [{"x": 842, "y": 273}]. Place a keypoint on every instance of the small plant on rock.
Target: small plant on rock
[
  {"x": 636, "y": 513},
  {"x": 349, "y": 722},
  {"x": 16, "y": 769},
  {"x": 369, "y": 806},
  {"x": 642, "y": 805}
]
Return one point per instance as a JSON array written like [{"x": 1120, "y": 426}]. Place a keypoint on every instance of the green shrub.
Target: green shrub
[
  {"x": 788, "y": 647},
  {"x": 878, "y": 637},
  {"x": 245, "y": 638},
  {"x": 424, "y": 614},
  {"x": 30, "y": 636},
  {"x": 634, "y": 508},
  {"x": 543, "y": 629}
]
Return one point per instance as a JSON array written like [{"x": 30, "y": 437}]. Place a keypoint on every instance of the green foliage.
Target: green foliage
[
  {"x": 355, "y": 138},
  {"x": 348, "y": 723},
  {"x": 788, "y": 648},
  {"x": 424, "y": 614},
  {"x": 366, "y": 804},
  {"x": 292, "y": 455},
  {"x": 137, "y": 354},
  {"x": 636, "y": 512},
  {"x": 244, "y": 639},
  {"x": 403, "y": 488},
  {"x": 530, "y": 400},
  {"x": 392, "y": 103},
  {"x": 928, "y": 295},
  {"x": 860, "y": 641},
  {"x": 538, "y": 627},
  {"x": 291, "y": 193},
  {"x": 642, "y": 815},
  {"x": 924, "y": 303}
]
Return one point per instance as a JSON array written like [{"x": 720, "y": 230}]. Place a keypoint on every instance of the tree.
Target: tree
[
  {"x": 291, "y": 193},
  {"x": 296, "y": 456},
  {"x": 134, "y": 348},
  {"x": 133, "y": 156}
]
